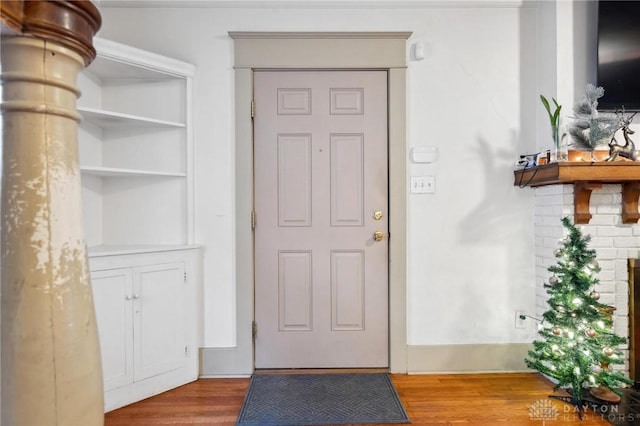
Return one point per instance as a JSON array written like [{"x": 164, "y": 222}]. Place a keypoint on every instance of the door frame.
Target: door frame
[{"x": 319, "y": 50}]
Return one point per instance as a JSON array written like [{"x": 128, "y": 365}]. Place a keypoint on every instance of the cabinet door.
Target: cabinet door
[
  {"x": 112, "y": 293},
  {"x": 159, "y": 320}
]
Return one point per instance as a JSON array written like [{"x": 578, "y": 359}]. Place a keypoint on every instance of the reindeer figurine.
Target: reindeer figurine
[{"x": 628, "y": 150}]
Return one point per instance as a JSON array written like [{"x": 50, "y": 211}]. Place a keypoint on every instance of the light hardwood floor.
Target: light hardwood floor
[{"x": 476, "y": 399}]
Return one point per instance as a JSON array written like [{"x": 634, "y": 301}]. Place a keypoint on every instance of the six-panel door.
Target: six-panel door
[{"x": 321, "y": 200}]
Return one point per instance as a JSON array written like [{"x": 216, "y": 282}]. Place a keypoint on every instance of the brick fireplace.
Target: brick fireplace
[
  {"x": 634, "y": 320},
  {"x": 615, "y": 243}
]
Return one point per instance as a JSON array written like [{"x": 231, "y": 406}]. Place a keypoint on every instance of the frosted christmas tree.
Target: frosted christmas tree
[
  {"x": 578, "y": 345},
  {"x": 589, "y": 128}
]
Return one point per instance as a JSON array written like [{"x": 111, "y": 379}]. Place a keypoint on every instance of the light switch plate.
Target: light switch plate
[{"x": 423, "y": 184}]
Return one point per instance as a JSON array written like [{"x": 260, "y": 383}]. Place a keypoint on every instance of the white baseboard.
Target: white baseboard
[
  {"x": 471, "y": 358},
  {"x": 436, "y": 359},
  {"x": 224, "y": 362}
]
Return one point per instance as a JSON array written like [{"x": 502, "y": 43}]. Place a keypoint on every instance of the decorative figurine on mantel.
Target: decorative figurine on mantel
[{"x": 628, "y": 150}]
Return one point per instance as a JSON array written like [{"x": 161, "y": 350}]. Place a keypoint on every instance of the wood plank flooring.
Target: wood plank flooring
[{"x": 476, "y": 399}]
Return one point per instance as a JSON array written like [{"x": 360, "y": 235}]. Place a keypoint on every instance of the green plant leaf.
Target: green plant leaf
[
  {"x": 545, "y": 102},
  {"x": 556, "y": 116}
]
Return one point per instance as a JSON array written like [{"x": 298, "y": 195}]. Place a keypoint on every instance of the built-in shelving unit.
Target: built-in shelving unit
[
  {"x": 135, "y": 143},
  {"x": 585, "y": 177},
  {"x": 135, "y": 148}
]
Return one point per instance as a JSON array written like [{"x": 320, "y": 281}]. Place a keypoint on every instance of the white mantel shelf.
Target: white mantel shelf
[{"x": 585, "y": 177}]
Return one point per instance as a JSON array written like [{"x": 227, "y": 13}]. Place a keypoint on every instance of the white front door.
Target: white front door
[{"x": 321, "y": 193}]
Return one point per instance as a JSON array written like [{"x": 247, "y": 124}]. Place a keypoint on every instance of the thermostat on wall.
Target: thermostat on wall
[{"x": 424, "y": 154}]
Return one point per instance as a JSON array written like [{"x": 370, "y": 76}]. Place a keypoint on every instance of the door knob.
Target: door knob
[{"x": 378, "y": 236}]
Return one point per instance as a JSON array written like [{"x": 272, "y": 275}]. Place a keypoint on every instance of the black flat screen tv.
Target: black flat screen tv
[{"x": 619, "y": 55}]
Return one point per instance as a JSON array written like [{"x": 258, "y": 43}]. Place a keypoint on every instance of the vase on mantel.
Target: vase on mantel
[
  {"x": 560, "y": 154},
  {"x": 560, "y": 151}
]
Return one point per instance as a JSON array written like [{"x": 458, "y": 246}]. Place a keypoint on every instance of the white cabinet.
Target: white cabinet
[
  {"x": 144, "y": 302},
  {"x": 135, "y": 148},
  {"x": 158, "y": 317},
  {"x": 146, "y": 309},
  {"x": 112, "y": 289}
]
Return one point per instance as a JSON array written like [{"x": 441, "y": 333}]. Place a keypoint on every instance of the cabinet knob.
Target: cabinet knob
[
  {"x": 136, "y": 296},
  {"x": 127, "y": 297}
]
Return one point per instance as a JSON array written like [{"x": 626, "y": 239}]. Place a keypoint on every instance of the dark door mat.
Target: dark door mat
[{"x": 321, "y": 399}]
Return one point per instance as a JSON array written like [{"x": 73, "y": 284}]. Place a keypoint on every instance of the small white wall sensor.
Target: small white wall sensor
[
  {"x": 424, "y": 154},
  {"x": 418, "y": 51}
]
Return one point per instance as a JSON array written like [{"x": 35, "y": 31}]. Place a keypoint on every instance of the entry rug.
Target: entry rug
[{"x": 321, "y": 399}]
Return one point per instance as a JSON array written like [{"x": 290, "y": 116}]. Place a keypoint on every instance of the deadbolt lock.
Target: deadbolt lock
[{"x": 377, "y": 215}]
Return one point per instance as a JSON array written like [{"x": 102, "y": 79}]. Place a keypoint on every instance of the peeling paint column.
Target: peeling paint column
[{"x": 51, "y": 368}]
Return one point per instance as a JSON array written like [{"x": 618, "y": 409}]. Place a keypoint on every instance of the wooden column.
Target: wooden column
[{"x": 51, "y": 370}]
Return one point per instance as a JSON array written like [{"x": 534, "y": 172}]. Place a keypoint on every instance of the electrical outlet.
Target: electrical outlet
[{"x": 520, "y": 319}]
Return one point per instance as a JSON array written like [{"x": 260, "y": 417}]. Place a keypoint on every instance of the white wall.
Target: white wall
[{"x": 471, "y": 261}]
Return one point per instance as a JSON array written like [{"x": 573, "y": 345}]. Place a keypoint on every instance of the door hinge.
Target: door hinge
[
  {"x": 254, "y": 219},
  {"x": 253, "y": 108},
  {"x": 185, "y": 277},
  {"x": 254, "y": 329},
  {"x": 186, "y": 351}
]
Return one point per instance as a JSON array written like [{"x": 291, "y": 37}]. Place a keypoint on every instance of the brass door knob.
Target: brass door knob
[{"x": 378, "y": 236}]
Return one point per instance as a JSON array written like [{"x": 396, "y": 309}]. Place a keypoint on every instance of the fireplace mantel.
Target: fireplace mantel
[{"x": 585, "y": 177}]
